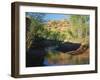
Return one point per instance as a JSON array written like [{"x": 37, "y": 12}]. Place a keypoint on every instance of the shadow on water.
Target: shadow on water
[{"x": 37, "y": 52}]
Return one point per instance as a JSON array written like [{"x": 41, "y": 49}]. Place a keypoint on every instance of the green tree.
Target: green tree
[
  {"x": 80, "y": 26},
  {"x": 34, "y": 27}
]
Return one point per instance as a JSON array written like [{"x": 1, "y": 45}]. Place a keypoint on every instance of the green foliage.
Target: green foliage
[
  {"x": 78, "y": 31},
  {"x": 55, "y": 35},
  {"x": 34, "y": 30},
  {"x": 37, "y": 16},
  {"x": 80, "y": 26}
]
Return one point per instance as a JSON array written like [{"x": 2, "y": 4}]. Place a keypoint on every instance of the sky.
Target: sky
[
  {"x": 51, "y": 16},
  {"x": 55, "y": 16}
]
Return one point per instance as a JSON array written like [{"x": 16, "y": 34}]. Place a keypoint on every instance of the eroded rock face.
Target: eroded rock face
[
  {"x": 59, "y": 24},
  {"x": 68, "y": 46}
]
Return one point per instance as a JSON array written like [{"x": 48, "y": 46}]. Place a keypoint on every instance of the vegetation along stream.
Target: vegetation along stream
[{"x": 56, "y": 39}]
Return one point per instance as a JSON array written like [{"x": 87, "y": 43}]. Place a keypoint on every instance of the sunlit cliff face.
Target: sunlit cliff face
[{"x": 60, "y": 25}]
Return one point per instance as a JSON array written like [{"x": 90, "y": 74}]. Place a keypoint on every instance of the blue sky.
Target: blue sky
[
  {"x": 51, "y": 16},
  {"x": 55, "y": 16}
]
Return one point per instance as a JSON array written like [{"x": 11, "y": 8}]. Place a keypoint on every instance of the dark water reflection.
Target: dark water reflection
[{"x": 35, "y": 56}]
